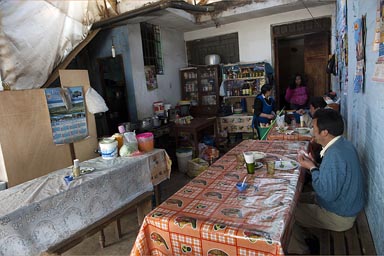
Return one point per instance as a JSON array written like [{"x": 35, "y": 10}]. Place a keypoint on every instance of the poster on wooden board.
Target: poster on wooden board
[
  {"x": 84, "y": 149},
  {"x": 67, "y": 114}
]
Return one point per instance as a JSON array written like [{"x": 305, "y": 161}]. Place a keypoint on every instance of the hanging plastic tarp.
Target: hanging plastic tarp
[{"x": 35, "y": 36}]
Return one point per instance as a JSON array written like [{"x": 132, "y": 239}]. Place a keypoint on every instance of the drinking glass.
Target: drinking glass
[
  {"x": 240, "y": 160},
  {"x": 271, "y": 167},
  {"x": 250, "y": 162}
]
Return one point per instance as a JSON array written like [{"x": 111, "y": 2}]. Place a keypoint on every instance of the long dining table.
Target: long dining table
[{"x": 209, "y": 216}]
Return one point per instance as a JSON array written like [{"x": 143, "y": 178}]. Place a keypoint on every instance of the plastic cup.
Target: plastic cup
[
  {"x": 241, "y": 186},
  {"x": 250, "y": 162},
  {"x": 248, "y": 157},
  {"x": 250, "y": 168},
  {"x": 271, "y": 167}
]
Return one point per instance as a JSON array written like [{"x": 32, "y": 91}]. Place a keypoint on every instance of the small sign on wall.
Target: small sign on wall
[{"x": 150, "y": 77}]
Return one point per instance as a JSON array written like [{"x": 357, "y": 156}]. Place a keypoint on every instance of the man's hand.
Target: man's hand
[
  {"x": 300, "y": 111},
  {"x": 306, "y": 160}
]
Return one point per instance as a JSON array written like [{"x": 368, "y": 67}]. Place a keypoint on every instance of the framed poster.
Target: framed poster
[
  {"x": 150, "y": 77},
  {"x": 67, "y": 113}
]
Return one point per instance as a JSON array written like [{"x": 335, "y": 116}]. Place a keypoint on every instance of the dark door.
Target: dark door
[
  {"x": 316, "y": 50},
  {"x": 114, "y": 92},
  {"x": 301, "y": 47}
]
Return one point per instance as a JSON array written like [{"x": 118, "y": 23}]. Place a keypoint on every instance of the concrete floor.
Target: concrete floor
[{"x": 129, "y": 226}]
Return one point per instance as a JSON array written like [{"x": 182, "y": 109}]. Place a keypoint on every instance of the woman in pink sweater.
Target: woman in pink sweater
[{"x": 297, "y": 93}]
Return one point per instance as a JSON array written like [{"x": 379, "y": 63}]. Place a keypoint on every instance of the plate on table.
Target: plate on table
[
  {"x": 85, "y": 170},
  {"x": 303, "y": 130},
  {"x": 282, "y": 129},
  {"x": 286, "y": 165}
]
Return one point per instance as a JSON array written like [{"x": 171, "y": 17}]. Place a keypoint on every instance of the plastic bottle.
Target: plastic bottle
[{"x": 76, "y": 168}]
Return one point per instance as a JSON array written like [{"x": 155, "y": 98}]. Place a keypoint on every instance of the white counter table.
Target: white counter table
[{"x": 46, "y": 211}]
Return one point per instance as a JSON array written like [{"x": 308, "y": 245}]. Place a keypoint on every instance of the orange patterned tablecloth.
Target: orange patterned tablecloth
[
  {"x": 274, "y": 134},
  {"x": 209, "y": 216}
]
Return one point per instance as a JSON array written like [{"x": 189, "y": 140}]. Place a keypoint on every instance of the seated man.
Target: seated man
[{"x": 338, "y": 182}]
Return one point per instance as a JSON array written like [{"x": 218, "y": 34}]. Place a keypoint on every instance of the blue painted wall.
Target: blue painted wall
[
  {"x": 100, "y": 47},
  {"x": 364, "y": 113}
]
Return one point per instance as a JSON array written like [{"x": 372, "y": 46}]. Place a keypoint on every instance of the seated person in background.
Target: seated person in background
[
  {"x": 338, "y": 182},
  {"x": 263, "y": 107},
  {"x": 315, "y": 103},
  {"x": 297, "y": 93}
]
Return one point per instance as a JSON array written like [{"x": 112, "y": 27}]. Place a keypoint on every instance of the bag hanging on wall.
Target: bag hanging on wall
[
  {"x": 331, "y": 66},
  {"x": 95, "y": 103}
]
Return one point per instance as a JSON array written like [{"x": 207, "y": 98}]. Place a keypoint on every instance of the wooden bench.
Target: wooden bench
[
  {"x": 142, "y": 203},
  {"x": 355, "y": 241}
]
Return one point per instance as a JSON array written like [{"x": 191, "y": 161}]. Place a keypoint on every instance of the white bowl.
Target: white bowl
[
  {"x": 237, "y": 110},
  {"x": 303, "y": 130}
]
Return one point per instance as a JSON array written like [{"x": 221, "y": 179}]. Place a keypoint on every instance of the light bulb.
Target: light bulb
[{"x": 113, "y": 51}]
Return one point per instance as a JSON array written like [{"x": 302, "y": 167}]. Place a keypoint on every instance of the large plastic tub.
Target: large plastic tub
[
  {"x": 145, "y": 141},
  {"x": 183, "y": 156}
]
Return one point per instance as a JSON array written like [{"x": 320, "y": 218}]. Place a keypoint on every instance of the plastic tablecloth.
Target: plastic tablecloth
[
  {"x": 209, "y": 216},
  {"x": 42, "y": 212}
]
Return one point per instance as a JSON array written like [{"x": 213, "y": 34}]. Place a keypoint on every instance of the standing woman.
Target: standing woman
[
  {"x": 297, "y": 93},
  {"x": 264, "y": 107}
]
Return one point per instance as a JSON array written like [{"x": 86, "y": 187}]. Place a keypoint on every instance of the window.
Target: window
[
  {"x": 150, "y": 37},
  {"x": 227, "y": 46}
]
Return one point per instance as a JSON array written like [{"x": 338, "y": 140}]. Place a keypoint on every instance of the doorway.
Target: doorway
[
  {"x": 114, "y": 93},
  {"x": 302, "y": 48}
]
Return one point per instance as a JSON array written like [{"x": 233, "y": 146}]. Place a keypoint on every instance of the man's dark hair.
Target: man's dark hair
[
  {"x": 317, "y": 102},
  {"x": 265, "y": 88},
  {"x": 330, "y": 120}
]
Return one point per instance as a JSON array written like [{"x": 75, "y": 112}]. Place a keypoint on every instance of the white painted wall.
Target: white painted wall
[
  {"x": 174, "y": 58},
  {"x": 255, "y": 34},
  {"x": 365, "y": 120}
]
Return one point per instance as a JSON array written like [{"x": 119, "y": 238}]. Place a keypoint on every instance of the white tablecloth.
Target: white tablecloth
[{"x": 42, "y": 212}]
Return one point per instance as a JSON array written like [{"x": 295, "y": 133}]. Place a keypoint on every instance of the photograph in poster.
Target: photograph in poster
[
  {"x": 67, "y": 113},
  {"x": 150, "y": 77},
  {"x": 359, "y": 36}
]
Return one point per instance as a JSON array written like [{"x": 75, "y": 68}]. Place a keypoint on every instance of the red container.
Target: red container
[{"x": 145, "y": 141}]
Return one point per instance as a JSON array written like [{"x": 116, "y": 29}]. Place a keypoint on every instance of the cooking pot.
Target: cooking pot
[
  {"x": 212, "y": 59},
  {"x": 156, "y": 121},
  {"x": 146, "y": 123}
]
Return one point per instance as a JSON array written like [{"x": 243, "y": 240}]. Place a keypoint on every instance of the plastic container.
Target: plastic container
[
  {"x": 183, "y": 156},
  {"x": 108, "y": 148},
  {"x": 145, "y": 141},
  {"x": 196, "y": 166}
]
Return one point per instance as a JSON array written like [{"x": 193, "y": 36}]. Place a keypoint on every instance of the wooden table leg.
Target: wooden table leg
[
  {"x": 195, "y": 141},
  {"x": 177, "y": 138},
  {"x": 143, "y": 208},
  {"x": 118, "y": 229},
  {"x": 157, "y": 190},
  {"x": 102, "y": 238}
]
